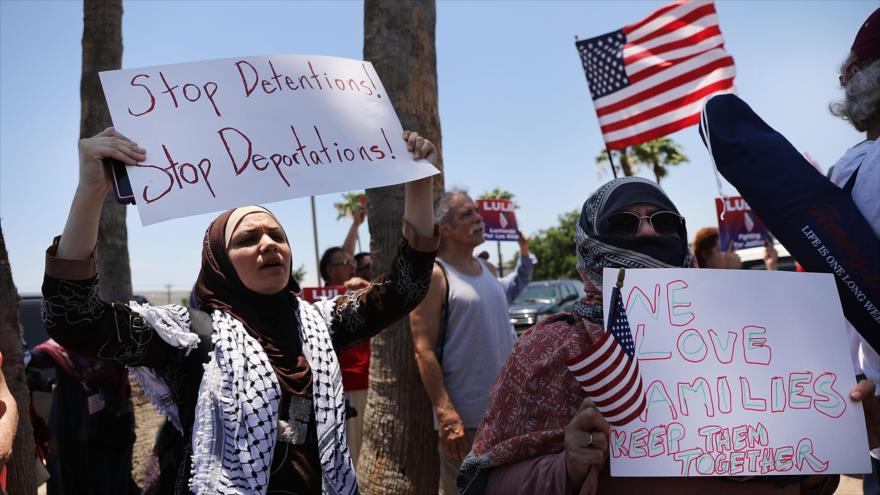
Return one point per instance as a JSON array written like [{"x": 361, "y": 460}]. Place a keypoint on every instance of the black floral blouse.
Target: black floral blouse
[{"x": 77, "y": 318}]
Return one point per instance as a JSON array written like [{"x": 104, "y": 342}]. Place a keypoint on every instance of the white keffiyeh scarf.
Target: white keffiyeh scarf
[{"x": 236, "y": 422}]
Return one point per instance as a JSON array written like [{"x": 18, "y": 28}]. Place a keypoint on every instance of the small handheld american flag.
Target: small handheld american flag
[
  {"x": 650, "y": 79},
  {"x": 608, "y": 371}
]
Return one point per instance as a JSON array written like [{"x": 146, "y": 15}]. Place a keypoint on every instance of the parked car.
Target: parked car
[
  {"x": 541, "y": 299},
  {"x": 753, "y": 258}
]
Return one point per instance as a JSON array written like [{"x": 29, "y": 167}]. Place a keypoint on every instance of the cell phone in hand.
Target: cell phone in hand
[{"x": 121, "y": 185}]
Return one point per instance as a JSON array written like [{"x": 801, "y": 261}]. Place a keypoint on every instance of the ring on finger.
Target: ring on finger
[{"x": 590, "y": 442}]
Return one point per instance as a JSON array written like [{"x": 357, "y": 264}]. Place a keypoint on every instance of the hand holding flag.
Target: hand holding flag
[{"x": 608, "y": 371}]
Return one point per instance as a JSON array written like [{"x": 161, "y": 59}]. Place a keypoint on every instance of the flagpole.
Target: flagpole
[
  {"x": 500, "y": 261},
  {"x": 315, "y": 234},
  {"x": 611, "y": 160}
]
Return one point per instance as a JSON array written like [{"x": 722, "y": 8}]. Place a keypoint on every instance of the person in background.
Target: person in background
[
  {"x": 364, "y": 263},
  {"x": 707, "y": 250},
  {"x": 8, "y": 426},
  {"x": 462, "y": 331},
  {"x": 337, "y": 267},
  {"x": 91, "y": 422},
  {"x": 858, "y": 172}
]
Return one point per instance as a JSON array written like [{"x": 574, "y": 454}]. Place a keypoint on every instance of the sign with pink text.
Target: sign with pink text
[
  {"x": 316, "y": 294},
  {"x": 744, "y": 373},
  {"x": 739, "y": 225},
  {"x": 238, "y": 131},
  {"x": 499, "y": 219}
]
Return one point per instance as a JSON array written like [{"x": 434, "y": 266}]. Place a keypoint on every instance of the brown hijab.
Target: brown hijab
[{"x": 271, "y": 319}]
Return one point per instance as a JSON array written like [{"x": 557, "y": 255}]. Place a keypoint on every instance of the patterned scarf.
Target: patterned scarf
[
  {"x": 595, "y": 253},
  {"x": 235, "y": 431},
  {"x": 536, "y": 395}
]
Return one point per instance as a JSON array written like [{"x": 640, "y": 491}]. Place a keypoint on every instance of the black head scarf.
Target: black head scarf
[
  {"x": 271, "y": 319},
  {"x": 597, "y": 250}
]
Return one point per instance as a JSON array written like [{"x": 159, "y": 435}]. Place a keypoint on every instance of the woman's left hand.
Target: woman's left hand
[
  {"x": 864, "y": 392},
  {"x": 420, "y": 147},
  {"x": 586, "y": 443}
]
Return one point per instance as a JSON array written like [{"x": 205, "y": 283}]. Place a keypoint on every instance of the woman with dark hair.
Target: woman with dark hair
[
  {"x": 540, "y": 435},
  {"x": 707, "y": 250},
  {"x": 252, "y": 388}
]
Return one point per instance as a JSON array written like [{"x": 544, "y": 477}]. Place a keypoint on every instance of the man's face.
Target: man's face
[
  {"x": 465, "y": 225},
  {"x": 365, "y": 267},
  {"x": 341, "y": 268}
]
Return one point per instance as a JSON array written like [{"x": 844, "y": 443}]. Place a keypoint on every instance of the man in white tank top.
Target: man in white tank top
[{"x": 462, "y": 331}]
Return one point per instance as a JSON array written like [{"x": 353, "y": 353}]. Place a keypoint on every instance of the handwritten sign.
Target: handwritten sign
[
  {"x": 238, "y": 131},
  {"x": 745, "y": 373},
  {"x": 499, "y": 219},
  {"x": 315, "y": 294},
  {"x": 740, "y": 224}
]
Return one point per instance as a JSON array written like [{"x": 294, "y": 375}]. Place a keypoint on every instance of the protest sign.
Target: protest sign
[
  {"x": 238, "y": 131},
  {"x": 743, "y": 376},
  {"x": 737, "y": 223},
  {"x": 499, "y": 219},
  {"x": 315, "y": 294}
]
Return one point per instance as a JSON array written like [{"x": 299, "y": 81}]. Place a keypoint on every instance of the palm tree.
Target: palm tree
[
  {"x": 622, "y": 157},
  {"x": 21, "y": 466},
  {"x": 299, "y": 274},
  {"x": 349, "y": 204},
  {"x": 399, "y": 452},
  {"x": 659, "y": 154},
  {"x": 102, "y": 50},
  {"x": 499, "y": 193}
]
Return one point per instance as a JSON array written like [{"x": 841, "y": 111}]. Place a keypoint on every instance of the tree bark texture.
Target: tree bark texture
[
  {"x": 399, "y": 451},
  {"x": 102, "y": 50},
  {"x": 21, "y": 466}
]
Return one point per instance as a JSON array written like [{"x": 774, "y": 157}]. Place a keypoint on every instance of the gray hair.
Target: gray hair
[
  {"x": 442, "y": 209},
  {"x": 861, "y": 103}
]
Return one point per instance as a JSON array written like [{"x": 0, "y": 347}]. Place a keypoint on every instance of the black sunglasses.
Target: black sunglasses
[{"x": 627, "y": 223}]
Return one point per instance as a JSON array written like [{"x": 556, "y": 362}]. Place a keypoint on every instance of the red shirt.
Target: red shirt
[{"x": 355, "y": 365}]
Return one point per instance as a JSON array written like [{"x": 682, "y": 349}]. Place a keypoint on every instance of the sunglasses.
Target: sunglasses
[{"x": 626, "y": 223}]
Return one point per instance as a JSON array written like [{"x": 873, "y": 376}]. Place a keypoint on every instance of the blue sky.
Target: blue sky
[{"x": 514, "y": 105}]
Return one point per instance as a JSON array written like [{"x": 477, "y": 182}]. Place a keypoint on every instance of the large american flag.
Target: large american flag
[
  {"x": 609, "y": 372},
  {"x": 650, "y": 78}
]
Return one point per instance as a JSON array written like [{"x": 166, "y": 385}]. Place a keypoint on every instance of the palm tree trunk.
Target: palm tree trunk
[
  {"x": 21, "y": 466},
  {"x": 102, "y": 50},
  {"x": 625, "y": 162},
  {"x": 399, "y": 454}
]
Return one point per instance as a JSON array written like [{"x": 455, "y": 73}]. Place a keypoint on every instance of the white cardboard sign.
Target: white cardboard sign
[
  {"x": 744, "y": 372},
  {"x": 231, "y": 132}
]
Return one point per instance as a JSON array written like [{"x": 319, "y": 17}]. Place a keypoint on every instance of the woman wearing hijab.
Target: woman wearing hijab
[
  {"x": 540, "y": 435},
  {"x": 251, "y": 386}
]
